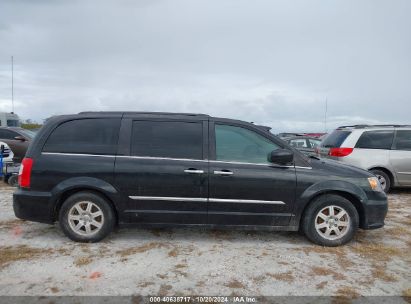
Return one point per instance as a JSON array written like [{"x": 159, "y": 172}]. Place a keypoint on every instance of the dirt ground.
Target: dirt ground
[{"x": 37, "y": 259}]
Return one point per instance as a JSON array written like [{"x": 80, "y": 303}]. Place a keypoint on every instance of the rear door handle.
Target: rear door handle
[
  {"x": 194, "y": 171},
  {"x": 217, "y": 172}
]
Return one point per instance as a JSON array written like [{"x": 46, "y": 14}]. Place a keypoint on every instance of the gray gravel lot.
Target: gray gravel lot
[{"x": 37, "y": 259}]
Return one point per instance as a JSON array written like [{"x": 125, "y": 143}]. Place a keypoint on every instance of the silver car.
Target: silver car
[{"x": 385, "y": 150}]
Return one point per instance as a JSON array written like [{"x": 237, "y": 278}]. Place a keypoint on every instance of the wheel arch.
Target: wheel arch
[
  {"x": 349, "y": 196},
  {"x": 69, "y": 187},
  {"x": 346, "y": 189}
]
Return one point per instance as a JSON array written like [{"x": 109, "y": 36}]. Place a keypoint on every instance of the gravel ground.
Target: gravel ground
[{"x": 37, "y": 259}]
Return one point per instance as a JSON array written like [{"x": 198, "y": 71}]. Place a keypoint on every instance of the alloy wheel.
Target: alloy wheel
[
  {"x": 85, "y": 218},
  {"x": 332, "y": 222}
]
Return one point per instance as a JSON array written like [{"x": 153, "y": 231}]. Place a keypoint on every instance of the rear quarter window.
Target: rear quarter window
[
  {"x": 335, "y": 139},
  {"x": 375, "y": 140},
  {"x": 88, "y": 136}
]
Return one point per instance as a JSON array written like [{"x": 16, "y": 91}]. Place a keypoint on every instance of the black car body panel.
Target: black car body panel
[{"x": 164, "y": 191}]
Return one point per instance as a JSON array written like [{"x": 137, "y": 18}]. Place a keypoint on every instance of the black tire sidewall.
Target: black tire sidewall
[
  {"x": 101, "y": 202},
  {"x": 315, "y": 207},
  {"x": 387, "y": 179}
]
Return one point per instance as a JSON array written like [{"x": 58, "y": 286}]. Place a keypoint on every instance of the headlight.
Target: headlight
[{"x": 374, "y": 184}]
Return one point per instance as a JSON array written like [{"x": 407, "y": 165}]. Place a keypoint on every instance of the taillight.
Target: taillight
[
  {"x": 340, "y": 152},
  {"x": 25, "y": 172}
]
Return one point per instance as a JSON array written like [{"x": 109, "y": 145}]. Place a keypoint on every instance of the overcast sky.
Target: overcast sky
[{"x": 271, "y": 62}]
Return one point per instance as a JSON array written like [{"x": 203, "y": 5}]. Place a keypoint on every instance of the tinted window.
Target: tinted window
[
  {"x": 375, "y": 140},
  {"x": 172, "y": 139},
  {"x": 242, "y": 145},
  {"x": 403, "y": 140},
  {"x": 92, "y": 136},
  {"x": 7, "y": 134},
  {"x": 335, "y": 139}
]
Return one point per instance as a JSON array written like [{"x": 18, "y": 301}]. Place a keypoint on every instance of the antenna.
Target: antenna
[
  {"x": 12, "y": 86},
  {"x": 325, "y": 115}
]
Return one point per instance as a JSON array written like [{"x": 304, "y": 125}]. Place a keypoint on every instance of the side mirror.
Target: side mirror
[
  {"x": 21, "y": 138},
  {"x": 281, "y": 156}
]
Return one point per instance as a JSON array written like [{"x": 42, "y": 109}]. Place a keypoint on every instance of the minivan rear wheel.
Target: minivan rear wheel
[
  {"x": 330, "y": 220},
  {"x": 383, "y": 178},
  {"x": 86, "y": 217}
]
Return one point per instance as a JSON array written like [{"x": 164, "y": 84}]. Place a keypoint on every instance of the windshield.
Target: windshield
[{"x": 335, "y": 139}]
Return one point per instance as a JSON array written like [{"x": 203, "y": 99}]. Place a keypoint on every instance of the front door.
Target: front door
[
  {"x": 400, "y": 157},
  {"x": 165, "y": 175},
  {"x": 245, "y": 189}
]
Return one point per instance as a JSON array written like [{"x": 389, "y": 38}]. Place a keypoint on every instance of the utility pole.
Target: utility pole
[
  {"x": 325, "y": 115},
  {"x": 12, "y": 85}
]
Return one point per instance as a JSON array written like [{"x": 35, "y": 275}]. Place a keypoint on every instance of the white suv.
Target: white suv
[{"x": 385, "y": 150}]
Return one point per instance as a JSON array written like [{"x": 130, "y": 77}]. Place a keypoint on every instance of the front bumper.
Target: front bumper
[
  {"x": 375, "y": 210},
  {"x": 33, "y": 206}
]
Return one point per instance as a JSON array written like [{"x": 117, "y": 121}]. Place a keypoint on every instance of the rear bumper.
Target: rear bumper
[
  {"x": 375, "y": 210},
  {"x": 33, "y": 206}
]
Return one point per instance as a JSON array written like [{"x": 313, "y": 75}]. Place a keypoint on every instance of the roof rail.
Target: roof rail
[
  {"x": 374, "y": 126},
  {"x": 137, "y": 112}
]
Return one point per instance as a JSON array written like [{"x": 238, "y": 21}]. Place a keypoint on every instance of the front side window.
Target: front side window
[
  {"x": 170, "y": 139},
  {"x": 375, "y": 140},
  {"x": 88, "y": 136},
  {"x": 403, "y": 140},
  {"x": 13, "y": 123},
  {"x": 242, "y": 145}
]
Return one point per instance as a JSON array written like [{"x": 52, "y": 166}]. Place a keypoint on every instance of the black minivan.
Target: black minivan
[{"x": 96, "y": 170}]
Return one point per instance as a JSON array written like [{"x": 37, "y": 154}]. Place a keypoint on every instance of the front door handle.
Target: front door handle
[
  {"x": 223, "y": 172},
  {"x": 194, "y": 171}
]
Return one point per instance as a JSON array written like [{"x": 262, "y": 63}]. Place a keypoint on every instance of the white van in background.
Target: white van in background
[{"x": 9, "y": 120}]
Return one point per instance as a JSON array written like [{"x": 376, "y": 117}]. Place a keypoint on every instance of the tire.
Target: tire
[
  {"x": 384, "y": 179},
  {"x": 13, "y": 180},
  {"x": 86, "y": 209},
  {"x": 347, "y": 225}
]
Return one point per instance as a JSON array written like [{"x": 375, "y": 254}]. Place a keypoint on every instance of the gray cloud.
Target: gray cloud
[{"x": 271, "y": 62}]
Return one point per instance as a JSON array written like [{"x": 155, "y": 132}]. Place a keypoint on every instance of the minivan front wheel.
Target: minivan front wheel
[
  {"x": 86, "y": 217},
  {"x": 330, "y": 220}
]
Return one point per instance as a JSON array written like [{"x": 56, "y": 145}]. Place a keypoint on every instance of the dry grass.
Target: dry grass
[
  {"x": 173, "y": 253},
  {"x": 145, "y": 284},
  {"x": 10, "y": 254},
  {"x": 285, "y": 276},
  {"x": 340, "y": 254},
  {"x": 10, "y": 224},
  {"x": 163, "y": 291},
  {"x": 381, "y": 274},
  {"x": 323, "y": 271},
  {"x": 321, "y": 285},
  {"x": 82, "y": 261},
  {"x": 347, "y": 292},
  {"x": 234, "y": 284},
  {"x": 376, "y": 252},
  {"x": 141, "y": 249},
  {"x": 54, "y": 290}
]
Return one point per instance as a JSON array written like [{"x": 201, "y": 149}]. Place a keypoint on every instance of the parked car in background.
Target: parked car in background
[
  {"x": 17, "y": 139},
  {"x": 305, "y": 144},
  {"x": 94, "y": 170},
  {"x": 384, "y": 150},
  {"x": 315, "y": 135}
]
